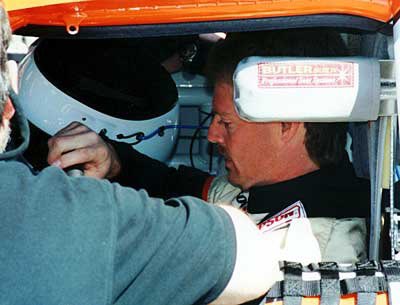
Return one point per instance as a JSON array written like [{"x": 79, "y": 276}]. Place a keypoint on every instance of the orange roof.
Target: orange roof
[{"x": 131, "y": 12}]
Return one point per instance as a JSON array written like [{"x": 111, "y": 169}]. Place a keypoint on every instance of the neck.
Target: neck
[
  {"x": 293, "y": 164},
  {"x": 296, "y": 167}
]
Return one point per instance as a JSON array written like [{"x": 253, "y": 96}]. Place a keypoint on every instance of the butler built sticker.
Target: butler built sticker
[{"x": 305, "y": 74}]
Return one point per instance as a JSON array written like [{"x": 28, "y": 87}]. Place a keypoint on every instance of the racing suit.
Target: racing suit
[{"x": 335, "y": 200}]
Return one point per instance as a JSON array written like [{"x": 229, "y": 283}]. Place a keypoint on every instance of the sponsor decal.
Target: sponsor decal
[
  {"x": 283, "y": 218},
  {"x": 305, "y": 74},
  {"x": 241, "y": 201}
]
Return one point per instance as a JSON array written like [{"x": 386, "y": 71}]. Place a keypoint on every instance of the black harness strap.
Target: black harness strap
[
  {"x": 311, "y": 288},
  {"x": 275, "y": 291},
  {"x": 367, "y": 282},
  {"x": 330, "y": 285},
  {"x": 293, "y": 283},
  {"x": 391, "y": 270},
  {"x": 354, "y": 285},
  {"x": 392, "y": 273},
  {"x": 370, "y": 278}
]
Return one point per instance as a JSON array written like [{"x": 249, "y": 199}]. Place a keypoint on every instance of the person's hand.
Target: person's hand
[{"x": 77, "y": 144}]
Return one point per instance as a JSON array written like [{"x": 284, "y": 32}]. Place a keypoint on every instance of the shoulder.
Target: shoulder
[
  {"x": 347, "y": 234},
  {"x": 54, "y": 237},
  {"x": 222, "y": 191}
]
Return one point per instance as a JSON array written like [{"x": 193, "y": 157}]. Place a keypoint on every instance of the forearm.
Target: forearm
[
  {"x": 257, "y": 261},
  {"x": 258, "y": 255},
  {"x": 142, "y": 172}
]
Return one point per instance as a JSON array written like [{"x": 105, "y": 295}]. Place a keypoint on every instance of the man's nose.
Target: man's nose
[{"x": 214, "y": 133}]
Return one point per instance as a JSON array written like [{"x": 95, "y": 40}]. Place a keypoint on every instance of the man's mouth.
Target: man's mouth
[{"x": 227, "y": 159}]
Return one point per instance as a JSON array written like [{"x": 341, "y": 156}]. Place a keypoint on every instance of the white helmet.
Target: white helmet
[{"x": 108, "y": 87}]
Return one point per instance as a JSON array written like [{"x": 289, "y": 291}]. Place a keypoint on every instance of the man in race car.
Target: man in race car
[{"x": 269, "y": 165}]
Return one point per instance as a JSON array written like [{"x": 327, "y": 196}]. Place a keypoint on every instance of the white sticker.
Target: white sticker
[
  {"x": 305, "y": 75},
  {"x": 283, "y": 218}
]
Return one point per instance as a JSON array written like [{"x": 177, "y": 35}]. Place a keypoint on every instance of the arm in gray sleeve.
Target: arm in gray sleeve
[
  {"x": 178, "y": 252},
  {"x": 86, "y": 241}
]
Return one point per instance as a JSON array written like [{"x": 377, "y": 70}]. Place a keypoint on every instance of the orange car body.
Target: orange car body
[{"x": 128, "y": 12}]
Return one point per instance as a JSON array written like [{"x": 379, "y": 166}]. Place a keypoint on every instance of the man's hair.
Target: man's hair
[
  {"x": 325, "y": 142},
  {"x": 5, "y": 37}
]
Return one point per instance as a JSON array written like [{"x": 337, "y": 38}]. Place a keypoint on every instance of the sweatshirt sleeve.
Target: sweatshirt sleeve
[
  {"x": 82, "y": 240},
  {"x": 181, "y": 251},
  {"x": 159, "y": 180}
]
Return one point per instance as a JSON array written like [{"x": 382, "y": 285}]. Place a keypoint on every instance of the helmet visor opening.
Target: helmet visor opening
[{"x": 110, "y": 76}]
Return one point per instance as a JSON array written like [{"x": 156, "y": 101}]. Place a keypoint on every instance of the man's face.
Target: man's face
[{"x": 251, "y": 150}]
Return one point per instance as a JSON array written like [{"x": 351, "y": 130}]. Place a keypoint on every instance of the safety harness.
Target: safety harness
[{"x": 364, "y": 283}]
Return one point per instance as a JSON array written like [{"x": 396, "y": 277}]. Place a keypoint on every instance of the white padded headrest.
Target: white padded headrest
[{"x": 330, "y": 89}]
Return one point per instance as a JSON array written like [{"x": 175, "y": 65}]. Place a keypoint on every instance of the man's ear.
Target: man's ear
[
  {"x": 9, "y": 110},
  {"x": 289, "y": 130}
]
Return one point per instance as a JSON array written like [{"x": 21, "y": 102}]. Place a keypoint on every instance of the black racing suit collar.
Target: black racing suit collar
[
  {"x": 20, "y": 132},
  {"x": 328, "y": 192}
]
